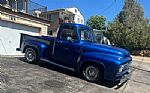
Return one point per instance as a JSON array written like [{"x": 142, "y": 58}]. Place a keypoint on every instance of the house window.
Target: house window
[
  {"x": 78, "y": 20},
  {"x": 76, "y": 10},
  {"x": 82, "y": 21},
  {"x": 49, "y": 17},
  {"x": 50, "y": 32}
]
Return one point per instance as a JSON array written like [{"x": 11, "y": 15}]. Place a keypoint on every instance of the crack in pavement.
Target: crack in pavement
[
  {"x": 125, "y": 87},
  {"x": 133, "y": 70},
  {"x": 140, "y": 69},
  {"x": 140, "y": 82},
  {"x": 79, "y": 90}
]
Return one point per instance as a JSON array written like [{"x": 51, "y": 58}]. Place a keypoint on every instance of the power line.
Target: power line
[{"x": 107, "y": 8}]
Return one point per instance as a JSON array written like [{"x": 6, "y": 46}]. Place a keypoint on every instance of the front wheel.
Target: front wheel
[
  {"x": 92, "y": 73},
  {"x": 30, "y": 55}
]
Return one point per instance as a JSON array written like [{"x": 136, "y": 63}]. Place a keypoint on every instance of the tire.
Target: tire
[
  {"x": 31, "y": 55},
  {"x": 92, "y": 73}
]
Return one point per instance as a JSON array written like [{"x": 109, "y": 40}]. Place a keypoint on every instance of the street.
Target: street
[{"x": 17, "y": 76}]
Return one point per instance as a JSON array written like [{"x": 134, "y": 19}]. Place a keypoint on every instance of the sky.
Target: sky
[{"x": 107, "y": 8}]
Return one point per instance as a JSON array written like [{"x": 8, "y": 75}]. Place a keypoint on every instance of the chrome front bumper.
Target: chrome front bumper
[
  {"x": 125, "y": 77},
  {"x": 126, "y": 74}
]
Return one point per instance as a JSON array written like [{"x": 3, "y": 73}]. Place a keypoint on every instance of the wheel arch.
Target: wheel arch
[
  {"x": 38, "y": 46},
  {"x": 29, "y": 46},
  {"x": 91, "y": 62}
]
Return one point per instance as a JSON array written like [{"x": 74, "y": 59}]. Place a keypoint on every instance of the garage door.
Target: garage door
[{"x": 10, "y": 36}]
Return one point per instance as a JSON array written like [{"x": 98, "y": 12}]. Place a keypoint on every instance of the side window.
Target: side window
[
  {"x": 85, "y": 34},
  {"x": 68, "y": 32}
]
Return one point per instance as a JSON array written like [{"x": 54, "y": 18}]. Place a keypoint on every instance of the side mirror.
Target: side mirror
[
  {"x": 113, "y": 44},
  {"x": 69, "y": 39}
]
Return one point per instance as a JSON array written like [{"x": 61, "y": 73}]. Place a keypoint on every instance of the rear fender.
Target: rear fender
[{"x": 41, "y": 48}]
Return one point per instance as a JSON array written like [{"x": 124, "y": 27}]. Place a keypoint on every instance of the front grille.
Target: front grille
[{"x": 126, "y": 66}]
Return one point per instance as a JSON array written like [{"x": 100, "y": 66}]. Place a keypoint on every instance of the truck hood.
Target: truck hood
[{"x": 111, "y": 50}]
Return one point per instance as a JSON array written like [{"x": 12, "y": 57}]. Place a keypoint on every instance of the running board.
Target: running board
[{"x": 57, "y": 64}]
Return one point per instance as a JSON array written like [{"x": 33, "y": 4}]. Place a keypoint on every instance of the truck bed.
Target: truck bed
[{"x": 43, "y": 39}]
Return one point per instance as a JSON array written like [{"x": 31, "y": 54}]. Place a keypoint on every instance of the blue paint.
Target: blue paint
[{"x": 72, "y": 54}]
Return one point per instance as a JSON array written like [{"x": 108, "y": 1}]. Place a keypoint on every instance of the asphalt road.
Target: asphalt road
[{"x": 17, "y": 76}]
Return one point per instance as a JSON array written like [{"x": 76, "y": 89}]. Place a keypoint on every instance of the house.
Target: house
[
  {"x": 20, "y": 19},
  {"x": 59, "y": 16},
  {"x": 78, "y": 17}
]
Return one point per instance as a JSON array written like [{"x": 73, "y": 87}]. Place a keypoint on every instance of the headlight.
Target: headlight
[
  {"x": 121, "y": 68},
  {"x": 124, "y": 67}
]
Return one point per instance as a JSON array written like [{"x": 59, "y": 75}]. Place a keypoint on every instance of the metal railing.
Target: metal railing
[
  {"x": 36, "y": 9},
  {"x": 25, "y": 6}
]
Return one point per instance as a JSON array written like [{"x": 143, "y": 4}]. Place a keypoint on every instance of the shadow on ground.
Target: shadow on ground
[{"x": 49, "y": 66}]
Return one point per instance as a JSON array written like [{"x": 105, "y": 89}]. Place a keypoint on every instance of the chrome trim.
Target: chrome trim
[{"x": 57, "y": 64}]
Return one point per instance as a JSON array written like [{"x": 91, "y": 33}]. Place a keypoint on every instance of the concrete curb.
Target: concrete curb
[
  {"x": 9, "y": 56},
  {"x": 143, "y": 59}
]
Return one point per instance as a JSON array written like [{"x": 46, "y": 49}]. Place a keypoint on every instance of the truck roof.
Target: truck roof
[{"x": 74, "y": 24}]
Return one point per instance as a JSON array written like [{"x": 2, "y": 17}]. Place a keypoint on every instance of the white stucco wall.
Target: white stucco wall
[{"x": 10, "y": 36}]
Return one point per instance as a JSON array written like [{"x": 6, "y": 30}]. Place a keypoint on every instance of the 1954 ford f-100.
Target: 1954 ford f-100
[{"x": 75, "y": 48}]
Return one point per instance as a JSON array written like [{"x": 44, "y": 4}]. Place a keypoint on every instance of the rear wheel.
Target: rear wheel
[
  {"x": 92, "y": 73},
  {"x": 31, "y": 55}
]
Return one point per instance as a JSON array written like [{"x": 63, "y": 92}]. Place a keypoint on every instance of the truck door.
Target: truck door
[{"x": 67, "y": 47}]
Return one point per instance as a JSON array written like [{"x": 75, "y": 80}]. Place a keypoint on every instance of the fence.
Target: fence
[
  {"x": 25, "y": 6},
  {"x": 35, "y": 9}
]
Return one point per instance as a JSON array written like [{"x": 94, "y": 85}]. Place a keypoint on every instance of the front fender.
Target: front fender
[
  {"x": 90, "y": 57},
  {"x": 109, "y": 67}
]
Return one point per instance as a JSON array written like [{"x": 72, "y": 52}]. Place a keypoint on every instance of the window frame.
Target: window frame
[
  {"x": 85, "y": 28},
  {"x": 72, "y": 28}
]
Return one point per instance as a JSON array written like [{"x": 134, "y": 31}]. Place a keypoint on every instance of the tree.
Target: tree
[
  {"x": 130, "y": 29},
  {"x": 97, "y": 22},
  {"x": 149, "y": 28}
]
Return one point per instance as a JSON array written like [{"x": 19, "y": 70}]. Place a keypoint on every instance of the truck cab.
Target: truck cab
[{"x": 75, "y": 48}]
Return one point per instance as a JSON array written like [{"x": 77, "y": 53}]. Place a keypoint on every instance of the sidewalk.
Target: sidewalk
[{"x": 142, "y": 59}]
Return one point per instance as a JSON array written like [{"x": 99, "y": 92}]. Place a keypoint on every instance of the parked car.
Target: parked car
[{"x": 75, "y": 48}]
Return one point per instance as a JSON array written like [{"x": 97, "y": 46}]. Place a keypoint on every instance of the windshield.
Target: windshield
[{"x": 86, "y": 34}]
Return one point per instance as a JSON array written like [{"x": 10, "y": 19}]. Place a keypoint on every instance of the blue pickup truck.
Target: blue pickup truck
[{"x": 75, "y": 48}]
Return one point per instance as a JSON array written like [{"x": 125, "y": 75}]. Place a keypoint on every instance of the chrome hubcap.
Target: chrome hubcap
[
  {"x": 30, "y": 56},
  {"x": 91, "y": 73}
]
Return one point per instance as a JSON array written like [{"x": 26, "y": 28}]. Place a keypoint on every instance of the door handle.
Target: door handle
[
  {"x": 66, "y": 48},
  {"x": 59, "y": 42}
]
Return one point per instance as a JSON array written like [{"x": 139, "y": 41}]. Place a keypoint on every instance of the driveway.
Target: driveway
[{"x": 17, "y": 76}]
